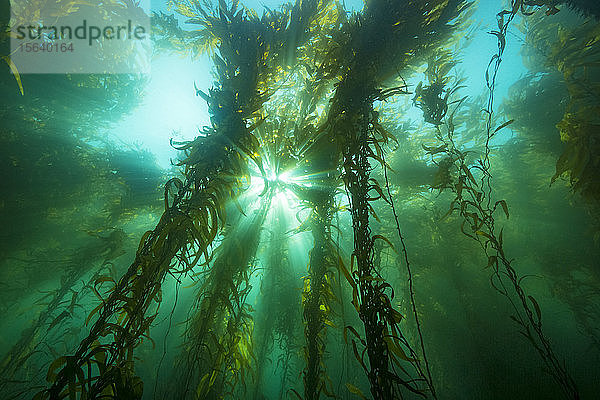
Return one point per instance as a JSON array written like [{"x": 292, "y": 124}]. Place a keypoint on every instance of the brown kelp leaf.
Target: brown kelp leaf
[
  {"x": 91, "y": 314},
  {"x": 41, "y": 395},
  {"x": 538, "y": 310},
  {"x": 326, "y": 392},
  {"x": 103, "y": 279},
  {"x": 501, "y": 39},
  {"x": 469, "y": 174},
  {"x": 504, "y": 207},
  {"x": 397, "y": 350},
  {"x": 396, "y": 316},
  {"x": 372, "y": 212},
  {"x": 516, "y": 320},
  {"x": 58, "y": 319},
  {"x": 434, "y": 150},
  {"x": 378, "y": 189},
  {"x": 354, "y": 332},
  {"x": 358, "y": 357},
  {"x": 504, "y": 125},
  {"x": 355, "y": 302},
  {"x": 385, "y": 240},
  {"x": 296, "y": 393},
  {"x": 484, "y": 234},
  {"x": 492, "y": 260},
  {"x": 53, "y": 367},
  {"x": 354, "y": 390}
]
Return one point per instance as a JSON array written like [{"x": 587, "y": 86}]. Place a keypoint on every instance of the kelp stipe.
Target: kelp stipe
[{"x": 473, "y": 203}]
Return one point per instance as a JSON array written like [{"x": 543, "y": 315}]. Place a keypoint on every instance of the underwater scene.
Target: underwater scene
[{"x": 311, "y": 199}]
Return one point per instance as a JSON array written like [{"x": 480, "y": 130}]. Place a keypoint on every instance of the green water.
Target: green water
[{"x": 310, "y": 201}]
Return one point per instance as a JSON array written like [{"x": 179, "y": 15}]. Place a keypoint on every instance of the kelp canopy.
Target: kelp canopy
[{"x": 318, "y": 238}]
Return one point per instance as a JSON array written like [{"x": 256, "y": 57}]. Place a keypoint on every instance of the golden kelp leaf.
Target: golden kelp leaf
[
  {"x": 397, "y": 350},
  {"x": 256, "y": 124},
  {"x": 202, "y": 389},
  {"x": 185, "y": 10},
  {"x": 484, "y": 234},
  {"x": 15, "y": 72},
  {"x": 354, "y": 390},
  {"x": 345, "y": 272},
  {"x": 212, "y": 378}
]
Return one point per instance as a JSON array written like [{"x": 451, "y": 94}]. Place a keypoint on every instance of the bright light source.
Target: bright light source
[
  {"x": 169, "y": 108},
  {"x": 285, "y": 177}
]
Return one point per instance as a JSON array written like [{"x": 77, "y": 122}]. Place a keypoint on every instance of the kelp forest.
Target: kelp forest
[{"x": 355, "y": 218}]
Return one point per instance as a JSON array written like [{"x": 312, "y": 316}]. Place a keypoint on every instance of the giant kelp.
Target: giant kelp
[
  {"x": 478, "y": 214},
  {"x": 62, "y": 303},
  {"x": 550, "y": 140},
  {"x": 218, "y": 343},
  {"x": 193, "y": 209}
]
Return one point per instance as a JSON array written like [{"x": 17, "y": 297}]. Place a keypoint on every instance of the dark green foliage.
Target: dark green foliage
[{"x": 586, "y": 7}]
